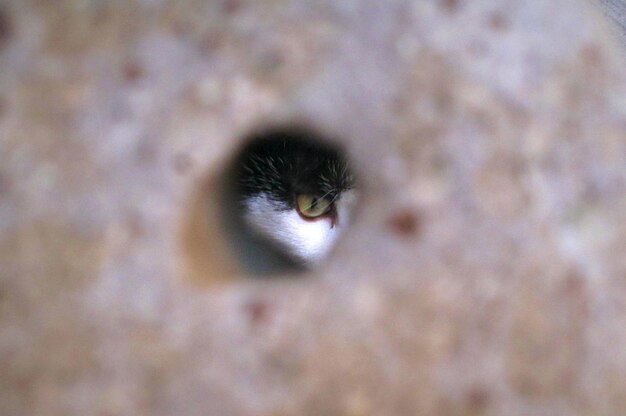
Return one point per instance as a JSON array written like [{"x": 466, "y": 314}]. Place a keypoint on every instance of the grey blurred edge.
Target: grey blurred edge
[{"x": 615, "y": 10}]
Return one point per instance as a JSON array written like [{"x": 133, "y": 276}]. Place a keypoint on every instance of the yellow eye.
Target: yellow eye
[{"x": 311, "y": 206}]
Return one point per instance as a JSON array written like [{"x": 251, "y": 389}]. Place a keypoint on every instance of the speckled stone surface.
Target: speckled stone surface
[{"x": 485, "y": 273}]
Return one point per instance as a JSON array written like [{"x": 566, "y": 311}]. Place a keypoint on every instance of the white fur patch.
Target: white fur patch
[{"x": 306, "y": 240}]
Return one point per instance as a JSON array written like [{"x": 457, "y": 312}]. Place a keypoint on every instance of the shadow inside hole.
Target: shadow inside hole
[{"x": 270, "y": 229}]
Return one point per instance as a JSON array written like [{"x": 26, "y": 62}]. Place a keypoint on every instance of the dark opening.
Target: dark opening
[{"x": 287, "y": 198}]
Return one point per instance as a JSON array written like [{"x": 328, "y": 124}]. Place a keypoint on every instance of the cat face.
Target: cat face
[{"x": 295, "y": 194}]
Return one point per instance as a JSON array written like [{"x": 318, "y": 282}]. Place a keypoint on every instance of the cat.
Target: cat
[{"x": 293, "y": 196}]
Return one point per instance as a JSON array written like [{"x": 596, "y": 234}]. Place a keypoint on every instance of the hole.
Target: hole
[{"x": 288, "y": 196}]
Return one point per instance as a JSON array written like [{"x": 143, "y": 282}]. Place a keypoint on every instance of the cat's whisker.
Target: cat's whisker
[{"x": 322, "y": 197}]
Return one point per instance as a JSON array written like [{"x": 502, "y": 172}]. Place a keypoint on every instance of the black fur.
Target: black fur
[{"x": 284, "y": 163}]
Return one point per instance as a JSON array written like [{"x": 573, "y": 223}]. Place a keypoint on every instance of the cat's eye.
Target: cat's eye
[{"x": 312, "y": 207}]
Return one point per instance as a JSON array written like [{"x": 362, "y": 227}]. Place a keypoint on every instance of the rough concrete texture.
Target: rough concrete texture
[{"x": 485, "y": 273}]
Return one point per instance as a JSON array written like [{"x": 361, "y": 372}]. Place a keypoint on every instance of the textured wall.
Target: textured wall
[{"x": 485, "y": 273}]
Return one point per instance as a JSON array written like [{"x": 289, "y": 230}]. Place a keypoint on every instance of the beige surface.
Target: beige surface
[{"x": 486, "y": 271}]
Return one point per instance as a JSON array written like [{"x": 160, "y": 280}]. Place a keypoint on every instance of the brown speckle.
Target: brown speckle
[
  {"x": 270, "y": 61},
  {"x": 400, "y": 104},
  {"x": 450, "y": 5},
  {"x": 477, "y": 48},
  {"x": 231, "y": 6},
  {"x": 137, "y": 225},
  {"x": 6, "y": 30},
  {"x": 478, "y": 398},
  {"x": 404, "y": 223},
  {"x": 182, "y": 163},
  {"x": 132, "y": 72},
  {"x": 210, "y": 43},
  {"x": 258, "y": 311},
  {"x": 498, "y": 22},
  {"x": 146, "y": 152},
  {"x": 180, "y": 28},
  {"x": 591, "y": 55},
  {"x": 574, "y": 284}
]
